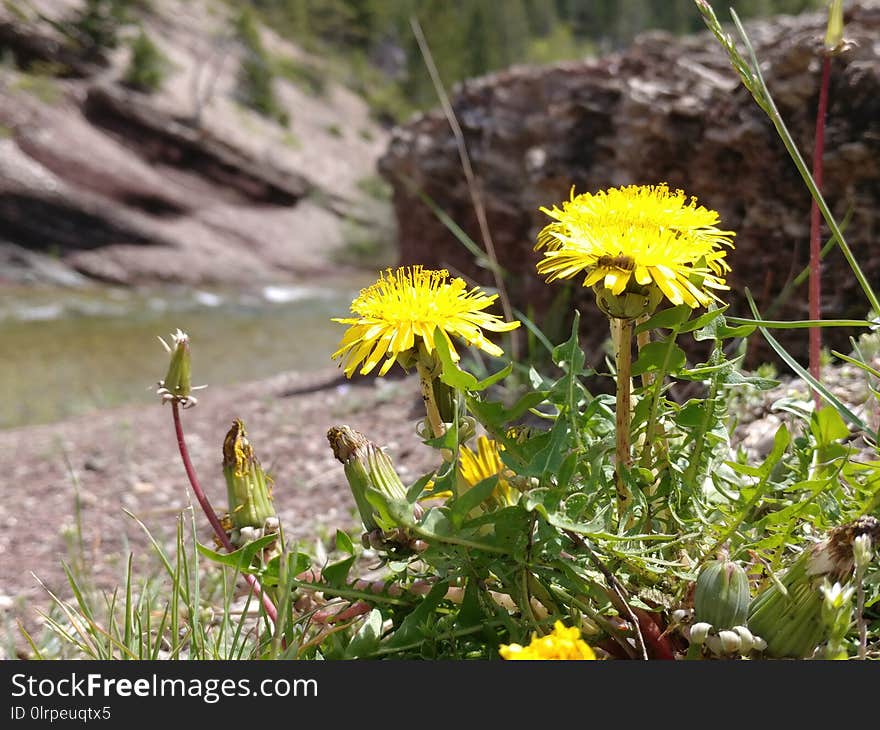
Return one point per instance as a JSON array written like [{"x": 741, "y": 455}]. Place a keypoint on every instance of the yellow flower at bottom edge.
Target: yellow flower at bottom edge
[
  {"x": 406, "y": 306},
  {"x": 561, "y": 643},
  {"x": 642, "y": 235}
]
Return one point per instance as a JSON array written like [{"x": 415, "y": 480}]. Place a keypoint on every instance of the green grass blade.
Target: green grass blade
[
  {"x": 802, "y": 168},
  {"x": 833, "y": 400}
]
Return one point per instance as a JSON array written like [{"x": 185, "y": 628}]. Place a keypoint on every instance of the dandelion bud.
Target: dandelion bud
[
  {"x": 730, "y": 642},
  {"x": 795, "y": 614},
  {"x": 681, "y": 616},
  {"x": 629, "y": 304},
  {"x": 835, "y": 599},
  {"x": 177, "y": 380},
  {"x": 247, "y": 486},
  {"x": 177, "y": 385},
  {"x": 379, "y": 494},
  {"x": 699, "y": 632},
  {"x": 722, "y": 594},
  {"x": 863, "y": 550},
  {"x": 747, "y": 640}
]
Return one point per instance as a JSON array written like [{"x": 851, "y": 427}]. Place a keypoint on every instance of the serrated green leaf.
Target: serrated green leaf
[
  {"x": 705, "y": 326},
  {"x": 570, "y": 352},
  {"x": 780, "y": 443},
  {"x": 335, "y": 574},
  {"x": 735, "y": 377},
  {"x": 461, "y": 506},
  {"x": 415, "y": 491},
  {"x": 692, "y": 414},
  {"x": 659, "y": 356},
  {"x": 827, "y": 426},
  {"x": 435, "y": 522},
  {"x": 366, "y": 640},
  {"x": 495, "y": 417},
  {"x": 241, "y": 558},
  {"x": 548, "y": 460},
  {"x": 343, "y": 543},
  {"x": 451, "y": 373},
  {"x": 726, "y": 332},
  {"x": 567, "y": 470},
  {"x": 744, "y": 469},
  {"x": 471, "y": 613},
  {"x": 413, "y": 628},
  {"x": 494, "y": 378},
  {"x": 671, "y": 318},
  {"x": 297, "y": 563}
]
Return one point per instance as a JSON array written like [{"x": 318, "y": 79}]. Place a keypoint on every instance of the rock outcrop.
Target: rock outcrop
[
  {"x": 183, "y": 185},
  {"x": 667, "y": 109}
]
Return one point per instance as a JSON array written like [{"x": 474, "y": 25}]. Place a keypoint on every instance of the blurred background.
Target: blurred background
[{"x": 214, "y": 165}]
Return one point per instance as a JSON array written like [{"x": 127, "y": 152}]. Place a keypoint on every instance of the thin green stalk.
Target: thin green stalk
[
  {"x": 426, "y": 383},
  {"x": 845, "y": 412},
  {"x": 656, "y": 395},
  {"x": 690, "y": 474},
  {"x": 761, "y": 487},
  {"x": 772, "y": 112}
]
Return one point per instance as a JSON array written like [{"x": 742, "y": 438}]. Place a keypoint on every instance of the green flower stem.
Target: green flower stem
[
  {"x": 621, "y": 333},
  {"x": 426, "y": 381},
  {"x": 642, "y": 339}
]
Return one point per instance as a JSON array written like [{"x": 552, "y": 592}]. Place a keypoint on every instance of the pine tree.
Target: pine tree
[{"x": 148, "y": 67}]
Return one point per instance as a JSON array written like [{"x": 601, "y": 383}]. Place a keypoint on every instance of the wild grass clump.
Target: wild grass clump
[{"x": 558, "y": 522}]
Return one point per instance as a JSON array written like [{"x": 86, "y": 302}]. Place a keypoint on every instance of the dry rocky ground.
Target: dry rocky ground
[{"x": 90, "y": 470}]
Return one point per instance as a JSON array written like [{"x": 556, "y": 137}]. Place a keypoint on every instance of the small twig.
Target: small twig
[
  {"x": 618, "y": 594},
  {"x": 202, "y": 498}
]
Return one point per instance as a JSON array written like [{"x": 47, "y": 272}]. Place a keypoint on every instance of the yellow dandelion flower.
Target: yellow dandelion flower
[
  {"x": 562, "y": 643},
  {"x": 637, "y": 235},
  {"x": 402, "y": 310},
  {"x": 484, "y": 464}
]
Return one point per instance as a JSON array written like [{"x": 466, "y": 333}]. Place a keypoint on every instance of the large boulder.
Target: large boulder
[{"x": 667, "y": 109}]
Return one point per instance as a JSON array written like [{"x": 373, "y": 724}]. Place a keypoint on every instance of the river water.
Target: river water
[{"x": 65, "y": 352}]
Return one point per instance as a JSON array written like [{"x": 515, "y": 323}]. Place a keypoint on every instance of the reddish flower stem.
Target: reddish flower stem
[
  {"x": 815, "y": 243},
  {"x": 202, "y": 498}
]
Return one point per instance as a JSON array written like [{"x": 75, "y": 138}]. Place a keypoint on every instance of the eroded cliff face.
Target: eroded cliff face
[
  {"x": 667, "y": 109},
  {"x": 183, "y": 185}
]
